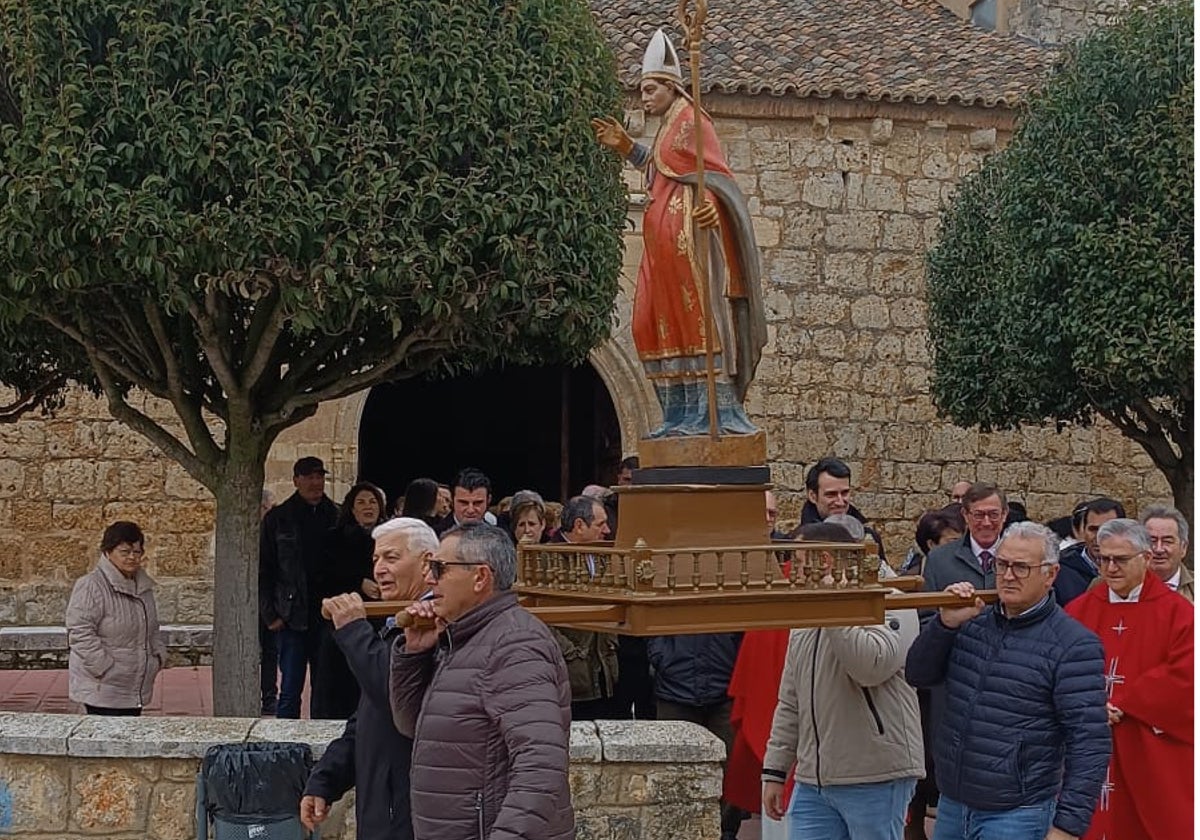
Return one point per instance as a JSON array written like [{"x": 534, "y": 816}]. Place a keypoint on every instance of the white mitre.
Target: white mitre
[{"x": 660, "y": 61}]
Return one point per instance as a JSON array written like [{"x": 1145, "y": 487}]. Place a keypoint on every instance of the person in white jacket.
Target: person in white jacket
[
  {"x": 849, "y": 724},
  {"x": 112, "y": 628}
]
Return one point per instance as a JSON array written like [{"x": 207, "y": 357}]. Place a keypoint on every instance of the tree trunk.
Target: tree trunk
[
  {"x": 1183, "y": 488},
  {"x": 235, "y": 597}
]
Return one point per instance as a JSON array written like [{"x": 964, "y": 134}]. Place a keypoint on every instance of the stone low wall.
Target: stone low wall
[
  {"x": 72, "y": 776},
  {"x": 34, "y": 648}
]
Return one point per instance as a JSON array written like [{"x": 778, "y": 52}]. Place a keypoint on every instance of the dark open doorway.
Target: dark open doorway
[{"x": 553, "y": 430}]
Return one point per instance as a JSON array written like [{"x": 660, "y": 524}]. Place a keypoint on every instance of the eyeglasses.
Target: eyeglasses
[
  {"x": 437, "y": 568},
  {"x": 1105, "y": 560},
  {"x": 985, "y": 515},
  {"x": 1020, "y": 570},
  {"x": 126, "y": 551}
]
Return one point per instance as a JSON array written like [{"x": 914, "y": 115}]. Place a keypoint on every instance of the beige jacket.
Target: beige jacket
[
  {"x": 112, "y": 630},
  {"x": 845, "y": 714}
]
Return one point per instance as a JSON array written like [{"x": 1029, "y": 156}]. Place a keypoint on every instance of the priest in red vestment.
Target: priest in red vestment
[{"x": 1146, "y": 630}]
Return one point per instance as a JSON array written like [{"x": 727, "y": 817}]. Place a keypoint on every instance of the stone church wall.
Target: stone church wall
[{"x": 845, "y": 200}]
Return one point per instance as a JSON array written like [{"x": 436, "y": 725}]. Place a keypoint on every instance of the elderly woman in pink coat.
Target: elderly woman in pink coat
[{"x": 112, "y": 628}]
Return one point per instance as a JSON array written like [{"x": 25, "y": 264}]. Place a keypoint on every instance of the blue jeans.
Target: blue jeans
[
  {"x": 850, "y": 812},
  {"x": 956, "y": 821},
  {"x": 296, "y": 651}
]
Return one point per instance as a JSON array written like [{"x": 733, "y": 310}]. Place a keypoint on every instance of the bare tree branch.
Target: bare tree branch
[
  {"x": 29, "y": 399},
  {"x": 148, "y": 428},
  {"x": 341, "y": 380},
  {"x": 113, "y": 364},
  {"x": 186, "y": 404},
  {"x": 212, "y": 343},
  {"x": 263, "y": 335}
]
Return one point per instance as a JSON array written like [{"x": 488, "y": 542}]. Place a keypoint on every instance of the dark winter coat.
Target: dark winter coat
[
  {"x": 291, "y": 546},
  {"x": 1075, "y": 575},
  {"x": 370, "y": 756},
  {"x": 345, "y": 562},
  {"x": 693, "y": 670},
  {"x": 1024, "y": 700},
  {"x": 489, "y": 709}
]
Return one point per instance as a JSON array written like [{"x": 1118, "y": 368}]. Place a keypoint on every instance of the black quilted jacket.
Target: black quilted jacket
[
  {"x": 489, "y": 711},
  {"x": 1024, "y": 711}
]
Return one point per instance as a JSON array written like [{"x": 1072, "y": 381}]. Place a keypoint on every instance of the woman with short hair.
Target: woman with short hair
[{"x": 112, "y": 628}]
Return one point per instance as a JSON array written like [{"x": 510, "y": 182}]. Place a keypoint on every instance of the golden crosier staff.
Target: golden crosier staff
[{"x": 693, "y": 26}]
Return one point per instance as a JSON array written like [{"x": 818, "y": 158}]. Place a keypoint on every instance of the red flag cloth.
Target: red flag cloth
[
  {"x": 1148, "y": 661},
  {"x": 754, "y": 687}
]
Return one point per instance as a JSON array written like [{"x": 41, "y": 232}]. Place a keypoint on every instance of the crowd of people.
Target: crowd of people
[{"x": 1062, "y": 710}]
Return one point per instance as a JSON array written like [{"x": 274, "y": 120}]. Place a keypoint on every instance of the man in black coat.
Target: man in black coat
[
  {"x": 827, "y": 485},
  {"x": 290, "y": 551},
  {"x": 371, "y": 755},
  {"x": 1077, "y": 566}
]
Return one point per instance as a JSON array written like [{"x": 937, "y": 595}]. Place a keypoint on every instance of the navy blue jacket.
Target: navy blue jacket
[
  {"x": 371, "y": 755},
  {"x": 1024, "y": 718},
  {"x": 1074, "y": 575},
  {"x": 693, "y": 670}
]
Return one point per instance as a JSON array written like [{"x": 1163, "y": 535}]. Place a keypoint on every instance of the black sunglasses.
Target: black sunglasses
[{"x": 437, "y": 568}]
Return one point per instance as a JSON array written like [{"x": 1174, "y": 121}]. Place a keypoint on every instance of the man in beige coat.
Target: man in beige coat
[{"x": 849, "y": 723}]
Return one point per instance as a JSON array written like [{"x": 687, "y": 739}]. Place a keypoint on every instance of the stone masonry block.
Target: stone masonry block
[
  {"x": 922, "y": 196},
  {"x": 852, "y": 231},
  {"x": 883, "y": 192},
  {"x": 826, "y": 190},
  {"x": 12, "y": 478},
  {"x": 108, "y": 797},
  {"x": 779, "y": 186},
  {"x": 870, "y": 312},
  {"x": 37, "y": 789},
  {"x": 802, "y": 227},
  {"x": 172, "y": 811},
  {"x": 847, "y": 272},
  {"x": 901, "y": 233},
  {"x": 770, "y": 154}
]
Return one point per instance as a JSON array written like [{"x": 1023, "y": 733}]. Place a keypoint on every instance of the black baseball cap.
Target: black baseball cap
[{"x": 309, "y": 465}]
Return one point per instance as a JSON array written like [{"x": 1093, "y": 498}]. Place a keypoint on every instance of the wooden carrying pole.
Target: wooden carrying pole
[
  {"x": 615, "y": 613},
  {"x": 693, "y": 24}
]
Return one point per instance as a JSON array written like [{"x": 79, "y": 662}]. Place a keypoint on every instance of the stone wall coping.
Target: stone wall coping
[
  {"x": 91, "y": 736},
  {"x": 649, "y": 741},
  {"x": 31, "y": 638}
]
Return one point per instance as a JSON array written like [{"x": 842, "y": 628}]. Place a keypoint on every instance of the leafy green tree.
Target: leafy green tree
[
  {"x": 1062, "y": 287},
  {"x": 248, "y": 208}
]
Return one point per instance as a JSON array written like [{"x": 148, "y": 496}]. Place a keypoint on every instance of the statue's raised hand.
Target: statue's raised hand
[{"x": 612, "y": 134}]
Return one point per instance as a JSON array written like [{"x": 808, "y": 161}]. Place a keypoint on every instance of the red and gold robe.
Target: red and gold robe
[
  {"x": 1148, "y": 660},
  {"x": 668, "y": 313}
]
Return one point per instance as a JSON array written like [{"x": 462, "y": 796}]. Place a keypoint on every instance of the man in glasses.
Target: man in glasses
[
  {"x": 1168, "y": 531},
  {"x": 1146, "y": 630},
  {"x": 1021, "y": 748},
  {"x": 972, "y": 558},
  {"x": 482, "y": 689}
]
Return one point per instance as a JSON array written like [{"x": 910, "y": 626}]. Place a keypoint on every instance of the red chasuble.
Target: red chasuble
[
  {"x": 754, "y": 687},
  {"x": 1148, "y": 664},
  {"x": 668, "y": 318}
]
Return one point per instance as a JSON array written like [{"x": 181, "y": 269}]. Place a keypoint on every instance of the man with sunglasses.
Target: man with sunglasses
[
  {"x": 1146, "y": 630},
  {"x": 1022, "y": 745},
  {"x": 482, "y": 689}
]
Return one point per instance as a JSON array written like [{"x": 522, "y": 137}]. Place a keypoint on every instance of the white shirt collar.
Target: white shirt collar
[
  {"x": 1114, "y": 598},
  {"x": 976, "y": 548},
  {"x": 1173, "y": 580}
]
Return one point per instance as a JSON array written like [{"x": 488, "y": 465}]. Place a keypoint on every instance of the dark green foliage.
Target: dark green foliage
[
  {"x": 377, "y": 169},
  {"x": 248, "y": 207},
  {"x": 1062, "y": 285}
]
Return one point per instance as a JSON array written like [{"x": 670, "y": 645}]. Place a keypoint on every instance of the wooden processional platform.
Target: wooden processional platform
[{"x": 692, "y": 554}]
